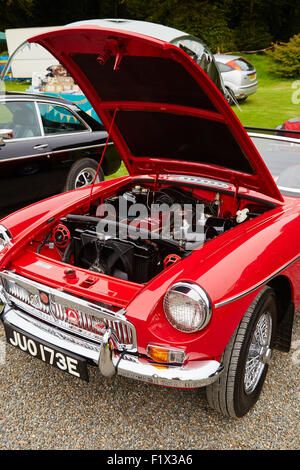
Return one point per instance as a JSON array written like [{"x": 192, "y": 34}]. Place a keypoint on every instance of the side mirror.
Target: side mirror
[{"x": 5, "y": 134}]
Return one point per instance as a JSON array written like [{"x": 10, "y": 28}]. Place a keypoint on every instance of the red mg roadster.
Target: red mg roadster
[{"x": 186, "y": 272}]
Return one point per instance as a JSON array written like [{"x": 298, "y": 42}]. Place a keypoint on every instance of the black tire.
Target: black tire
[
  {"x": 232, "y": 394},
  {"x": 82, "y": 173},
  {"x": 229, "y": 98},
  {"x": 242, "y": 100}
]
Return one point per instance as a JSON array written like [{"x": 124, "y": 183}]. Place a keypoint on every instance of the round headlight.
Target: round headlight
[{"x": 187, "y": 307}]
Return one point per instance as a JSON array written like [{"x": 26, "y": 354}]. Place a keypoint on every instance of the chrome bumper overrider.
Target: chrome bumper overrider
[
  {"x": 2, "y": 300},
  {"x": 193, "y": 375}
]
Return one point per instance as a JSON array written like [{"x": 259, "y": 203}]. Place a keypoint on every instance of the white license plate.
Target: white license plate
[{"x": 56, "y": 357}]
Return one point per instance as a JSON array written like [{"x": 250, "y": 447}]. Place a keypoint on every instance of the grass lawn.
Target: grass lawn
[
  {"x": 270, "y": 106},
  {"x": 17, "y": 86}
]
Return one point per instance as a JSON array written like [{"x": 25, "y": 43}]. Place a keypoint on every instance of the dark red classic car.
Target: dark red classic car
[{"x": 185, "y": 273}]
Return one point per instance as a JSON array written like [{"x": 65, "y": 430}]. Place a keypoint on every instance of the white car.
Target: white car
[{"x": 239, "y": 76}]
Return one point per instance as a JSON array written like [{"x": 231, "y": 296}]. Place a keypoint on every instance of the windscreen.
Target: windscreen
[{"x": 282, "y": 158}]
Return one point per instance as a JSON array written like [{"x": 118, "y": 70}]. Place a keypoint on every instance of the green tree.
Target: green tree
[
  {"x": 224, "y": 24},
  {"x": 15, "y": 13},
  {"x": 205, "y": 19},
  {"x": 286, "y": 57}
]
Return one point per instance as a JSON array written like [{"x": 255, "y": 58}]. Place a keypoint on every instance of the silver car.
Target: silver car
[{"x": 238, "y": 74}]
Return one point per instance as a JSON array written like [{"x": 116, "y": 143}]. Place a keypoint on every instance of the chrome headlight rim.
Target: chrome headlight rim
[
  {"x": 194, "y": 292},
  {"x": 5, "y": 237}
]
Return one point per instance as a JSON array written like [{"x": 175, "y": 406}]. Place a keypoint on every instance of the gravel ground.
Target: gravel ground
[{"x": 43, "y": 408}]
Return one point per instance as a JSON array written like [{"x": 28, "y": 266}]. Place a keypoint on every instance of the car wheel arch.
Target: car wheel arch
[
  {"x": 97, "y": 157},
  {"x": 286, "y": 310},
  {"x": 283, "y": 290}
]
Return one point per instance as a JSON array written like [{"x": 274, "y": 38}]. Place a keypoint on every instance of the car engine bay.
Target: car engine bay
[{"x": 142, "y": 230}]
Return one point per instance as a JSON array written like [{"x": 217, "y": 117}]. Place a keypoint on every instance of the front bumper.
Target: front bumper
[{"x": 195, "y": 374}]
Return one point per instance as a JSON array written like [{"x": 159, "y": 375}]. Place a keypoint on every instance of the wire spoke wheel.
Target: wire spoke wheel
[
  {"x": 259, "y": 352},
  {"x": 246, "y": 358}
]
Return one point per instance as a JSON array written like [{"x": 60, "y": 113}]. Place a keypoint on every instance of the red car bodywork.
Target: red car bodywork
[
  {"x": 254, "y": 254},
  {"x": 232, "y": 268}
]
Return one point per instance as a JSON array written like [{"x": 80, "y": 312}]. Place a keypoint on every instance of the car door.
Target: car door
[
  {"x": 24, "y": 156},
  {"x": 68, "y": 136}
]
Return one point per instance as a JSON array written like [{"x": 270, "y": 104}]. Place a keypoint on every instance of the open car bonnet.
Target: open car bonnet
[{"x": 163, "y": 112}]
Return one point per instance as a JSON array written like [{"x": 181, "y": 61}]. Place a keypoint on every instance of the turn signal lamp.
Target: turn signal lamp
[{"x": 165, "y": 355}]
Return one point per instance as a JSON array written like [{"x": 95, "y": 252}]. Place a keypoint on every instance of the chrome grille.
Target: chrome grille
[
  {"x": 68, "y": 312},
  {"x": 22, "y": 294}
]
